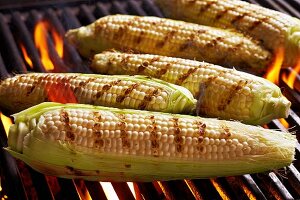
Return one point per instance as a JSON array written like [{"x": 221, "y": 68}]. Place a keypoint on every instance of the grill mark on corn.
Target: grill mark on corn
[
  {"x": 239, "y": 18},
  {"x": 66, "y": 119},
  {"x": 83, "y": 84},
  {"x": 153, "y": 136},
  {"x": 233, "y": 91},
  {"x": 73, "y": 171},
  {"x": 206, "y": 7},
  {"x": 146, "y": 63},
  {"x": 183, "y": 77},
  {"x": 257, "y": 23},
  {"x": 164, "y": 69},
  {"x": 106, "y": 87},
  {"x": 225, "y": 131},
  {"x": 178, "y": 138},
  {"x": 34, "y": 84},
  {"x": 97, "y": 132},
  {"x": 139, "y": 38},
  {"x": 143, "y": 66},
  {"x": 201, "y": 108},
  {"x": 126, "y": 92},
  {"x": 147, "y": 99},
  {"x": 214, "y": 42},
  {"x": 188, "y": 43},
  {"x": 221, "y": 14},
  {"x": 124, "y": 134},
  {"x": 169, "y": 35},
  {"x": 202, "y": 127}
]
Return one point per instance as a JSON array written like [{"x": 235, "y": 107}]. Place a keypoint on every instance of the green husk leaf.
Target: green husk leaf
[{"x": 64, "y": 159}]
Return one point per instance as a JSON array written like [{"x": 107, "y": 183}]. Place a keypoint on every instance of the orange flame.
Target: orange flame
[
  {"x": 274, "y": 70},
  {"x": 40, "y": 39},
  {"x": 6, "y": 121},
  {"x": 82, "y": 190},
  {"x": 291, "y": 78},
  {"x": 26, "y": 57},
  {"x": 284, "y": 123},
  {"x": 109, "y": 191},
  {"x": 61, "y": 93}
]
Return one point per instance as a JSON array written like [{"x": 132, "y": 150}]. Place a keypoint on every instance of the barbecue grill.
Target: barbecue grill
[{"x": 19, "y": 54}]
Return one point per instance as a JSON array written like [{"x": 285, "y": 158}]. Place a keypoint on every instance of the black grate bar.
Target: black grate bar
[
  {"x": 86, "y": 14},
  {"x": 10, "y": 53},
  {"x": 122, "y": 190},
  {"x": 3, "y": 72},
  {"x": 253, "y": 186},
  {"x": 135, "y": 8},
  {"x": 117, "y": 8},
  {"x": 68, "y": 190},
  {"x": 101, "y": 10},
  {"x": 40, "y": 184},
  {"x": 71, "y": 57},
  {"x": 95, "y": 190},
  {"x": 206, "y": 189},
  {"x": 151, "y": 8},
  {"x": 69, "y": 20},
  {"x": 25, "y": 38},
  {"x": 147, "y": 190}
]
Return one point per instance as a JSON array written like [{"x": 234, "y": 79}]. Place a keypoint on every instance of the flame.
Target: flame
[
  {"x": 274, "y": 70},
  {"x": 40, "y": 39},
  {"x": 82, "y": 190},
  {"x": 61, "y": 93},
  {"x": 6, "y": 121},
  {"x": 109, "y": 191},
  {"x": 219, "y": 189},
  {"x": 26, "y": 57},
  {"x": 284, "y": 123},
  {"x": 290, "y": 79}
]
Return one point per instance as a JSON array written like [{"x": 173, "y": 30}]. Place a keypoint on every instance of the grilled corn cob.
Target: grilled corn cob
[
  {"x": 171, "y": 38},
  {"x": 110, "y": 144},
  {"x": 273, "y": 28},
  {"x": 224, "y": 93},
  {"x": 138, "y": 92}
]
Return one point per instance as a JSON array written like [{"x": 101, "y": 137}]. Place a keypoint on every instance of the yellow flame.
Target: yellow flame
[
  {"x": 58, "y": 42},
  {"x": 274, "y": 70},
  {"x": 219, "y": 189},
  {"x": 284, "y": 123},
  {"x": 26, "y": 57},
  {"x": 40, "y": 40},
  {"x": 291, "y": 78},
  {"x": 6, "y": 121},
  {"x": 109, "y": 191}
]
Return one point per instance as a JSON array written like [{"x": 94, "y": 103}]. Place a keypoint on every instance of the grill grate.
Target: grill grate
[{"x": 16, "y": 27}]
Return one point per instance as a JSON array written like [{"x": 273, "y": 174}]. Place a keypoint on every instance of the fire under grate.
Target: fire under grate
[{"x": 18, "y": 181}]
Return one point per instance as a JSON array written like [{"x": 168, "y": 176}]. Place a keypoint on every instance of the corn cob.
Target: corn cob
[
  {"x": 272, "y": 28},
  {"x": 224, "y": 93},
  {"x": 110, "y": 144},
  {"x": 170, "y": 38},
  {"x": 137, "y": 92}
]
